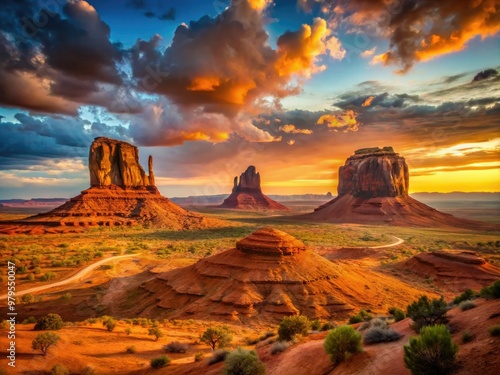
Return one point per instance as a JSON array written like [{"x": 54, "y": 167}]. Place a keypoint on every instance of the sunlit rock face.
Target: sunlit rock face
[
  {"x": 113, "y": 162},
  {"x": 374, "y": 172}
]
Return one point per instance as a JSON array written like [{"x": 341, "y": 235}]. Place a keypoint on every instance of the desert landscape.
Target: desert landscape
[{"x": 248, "y": 187}]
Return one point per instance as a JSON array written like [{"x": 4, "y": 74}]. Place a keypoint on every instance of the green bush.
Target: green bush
[
  {"x": 31, "y": 276},
  {"x": 110, "y": 324},
  {"x": 432, "y": 353},
  {"x": 466, "y": 305},
  {"x": 292, "y": 326},
  {"x": 176, "y": 347},
  {"x": 243, "y": 362},
  {"x": 494, "y": 330},
  {"x": 375, "y": 335},
  {"x": 426, "y": 312},
  {"x": 492, "y": 291},
  {"x": 342, "y": 342},
  {"x": 466, "y": 295},
  {"x": 29, "y": 320},
  {"x": 328, "y": 326},
  {"x": 218, "y": 356},
  {"x": 398, "y": 314},
  {"x": 44, "y": 341},
  {"x": 48, "y": 276},
  {"x": 359, "y": 317},
  {"x": 315, "y": 325},
  {"x": 50, "y": 322},
  {"x": 28, "y": 298},
  {"x": 466, "y": 337},
  {"x": 199, "y": 356},
  {"x": 59, "y": 370},
  {"x": 160, "y": 362},
  {"x": 217, "y": 337},
  {"x": 156, "y": 332},
  {"x": 128, "y": 331}
]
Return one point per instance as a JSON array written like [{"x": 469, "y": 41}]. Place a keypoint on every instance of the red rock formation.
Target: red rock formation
[
  {"x": 247, "y": 194},
  {"x": 373, "y": 189},
  {"x": 120, "y": 194},
  {"x": 268, "y": 275}
]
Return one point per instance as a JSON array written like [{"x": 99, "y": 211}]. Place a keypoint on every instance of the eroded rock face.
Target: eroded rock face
[
  {"x": 113, "y": 162},
  {"x": 249, "y": 180},
  {"x": 374, "y": 172}
]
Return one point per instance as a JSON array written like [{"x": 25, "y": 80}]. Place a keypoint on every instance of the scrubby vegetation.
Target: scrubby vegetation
[
  {"x": 218, "y": 356},
  {"x": 278, "y": 347},
  {"x": 492, "y": 291},
  {"x": 494, "y": 330},
  {"x": 426, "y": 312},
  {"x": 175, "y": 347},
  {"x": 59, "y": 370},
  {"x": 466, "y": 305},
  {"x": 468, "y": 294},
  {"x": 292, "y": 326},
  {"x": 160, "y": 362},
  {"x": 360, "y": 317},
  {"x": 52, "y": 322},
  {"x": 466, "y": 337},
  {"x": 342, "y": 342},
  {"x": 44, "y": 341},
  {"x": 156, "y": 332},
  {"x": 199, "y": 356},
  {"x": 397, "y": 314},
  {"x": 432, "y": 353},
  {"x": 219, "y": 337},
  {"x": 378, "y": 331},
  {"x": 241, "y": 362}
]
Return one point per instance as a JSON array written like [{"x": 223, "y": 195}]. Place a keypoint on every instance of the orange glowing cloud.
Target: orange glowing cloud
[
  {"x": 345, "y": 121},
  {"x": 291, "y": 129},
  {"x": 368, "y": 101}
]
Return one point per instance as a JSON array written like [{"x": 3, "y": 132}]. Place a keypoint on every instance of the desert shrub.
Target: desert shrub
[
  {"x": 398, "y": 314},
  {"x": 110, "y": 324},
  {"x": 66, "y": 296},
  {"x": 22, "y": 270},
  {"x": 217, "y": 337},
  {"x": 44, "y": 341},
  {"x": 28, "y": 298},
  {"x": 494, "y": 330},
  {"x": 292, "y": 326},
  {"x": 466, "y": 337},
  {"x": 175, "y": 347},
  {"x": 492, "y": 291},
  {"x": 48, "y": 276},
  {"x": 218, "y": 356},
  {"x": 375, "y": 335},
  {"x": 315, "y": 325},
  {"x": 38, "y": 270},
  {"x": 328, "y": 326},
  {"x": 131, "y": 349},
  {"x": 359, "y": 317},
  {"x": 29, "y": 320},
  {"x": 160, "y": 362},
  {"x": 31, "y": 276},
  {"x": 59, "y": 370},
  {"x": 342, "y": 342},
  {"x": 242, "y": 362},
  {"x": 88, "y": 370},
  {"x": 266, "y": 335},
  {"x": 156, "y": 332},
  {"x": 466, "y": 305},
  {"x": 426, "y": 312},
  {"x": 199, "y": 356},
  {"x": 50, "y": 322},
  {"x": 278, "y": 347},
  {"x": 466, "y": 295},
  {"x": 432, "y": 353}
]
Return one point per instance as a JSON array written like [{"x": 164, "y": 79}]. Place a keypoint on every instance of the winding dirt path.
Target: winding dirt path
[
  {"x": 399, "y": 241},
  {"x": 71, "y": 279}
]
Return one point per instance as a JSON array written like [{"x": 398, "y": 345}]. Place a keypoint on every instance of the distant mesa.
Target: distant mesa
[
  {"x": 269, "y": 274},
  {"x": 373, "y": 189},
  {"x": 120, "y": 193},
  {"x": 247, "y": 194}
]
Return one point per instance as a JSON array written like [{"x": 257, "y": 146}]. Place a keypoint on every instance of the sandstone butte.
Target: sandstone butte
[
  {"x": 268, "y": 275},
  {"x": 247, "y": 194},
  {"x": 120, "y": 193},
  {"x": 373, "y": 189}
]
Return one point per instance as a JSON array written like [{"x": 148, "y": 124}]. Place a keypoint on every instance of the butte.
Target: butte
[
  {"x": 120, "y": 194},
  {"x": 247, "y": 194},
  {"x": 268, "y": 275},
  {"x": 373, "y": 189}
]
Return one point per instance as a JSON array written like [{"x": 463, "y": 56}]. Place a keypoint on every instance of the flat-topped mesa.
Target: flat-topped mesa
[
  {"x": 374, "y": 172},
  {"x": 270, "y": 241},
  {"x": 116, "y": 163},
  {"x": 249, "y": 180}
]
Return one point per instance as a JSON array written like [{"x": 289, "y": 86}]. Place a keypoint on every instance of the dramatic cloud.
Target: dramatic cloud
[
  {"x": 368, "y": 101},
  {"x": 418, "y": 30},
  {"x": 55, "y": 59},
  {"x": 291, "y": 129},
  {"x": 220, "y": 73},
  {"x": 485, "y": 74},
  {"x": 345, "y": 121}
]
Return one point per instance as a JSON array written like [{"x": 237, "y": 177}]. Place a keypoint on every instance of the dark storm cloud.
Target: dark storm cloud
[
  {"x": 33, "y": 141},
  {"x": 386, "y": 100},
  {"x": 485, "y": 74},
  {"x": 54, "y": 59}
]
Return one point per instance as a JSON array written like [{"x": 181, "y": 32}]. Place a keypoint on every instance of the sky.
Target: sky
[{"x": 293, "y": 87}]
